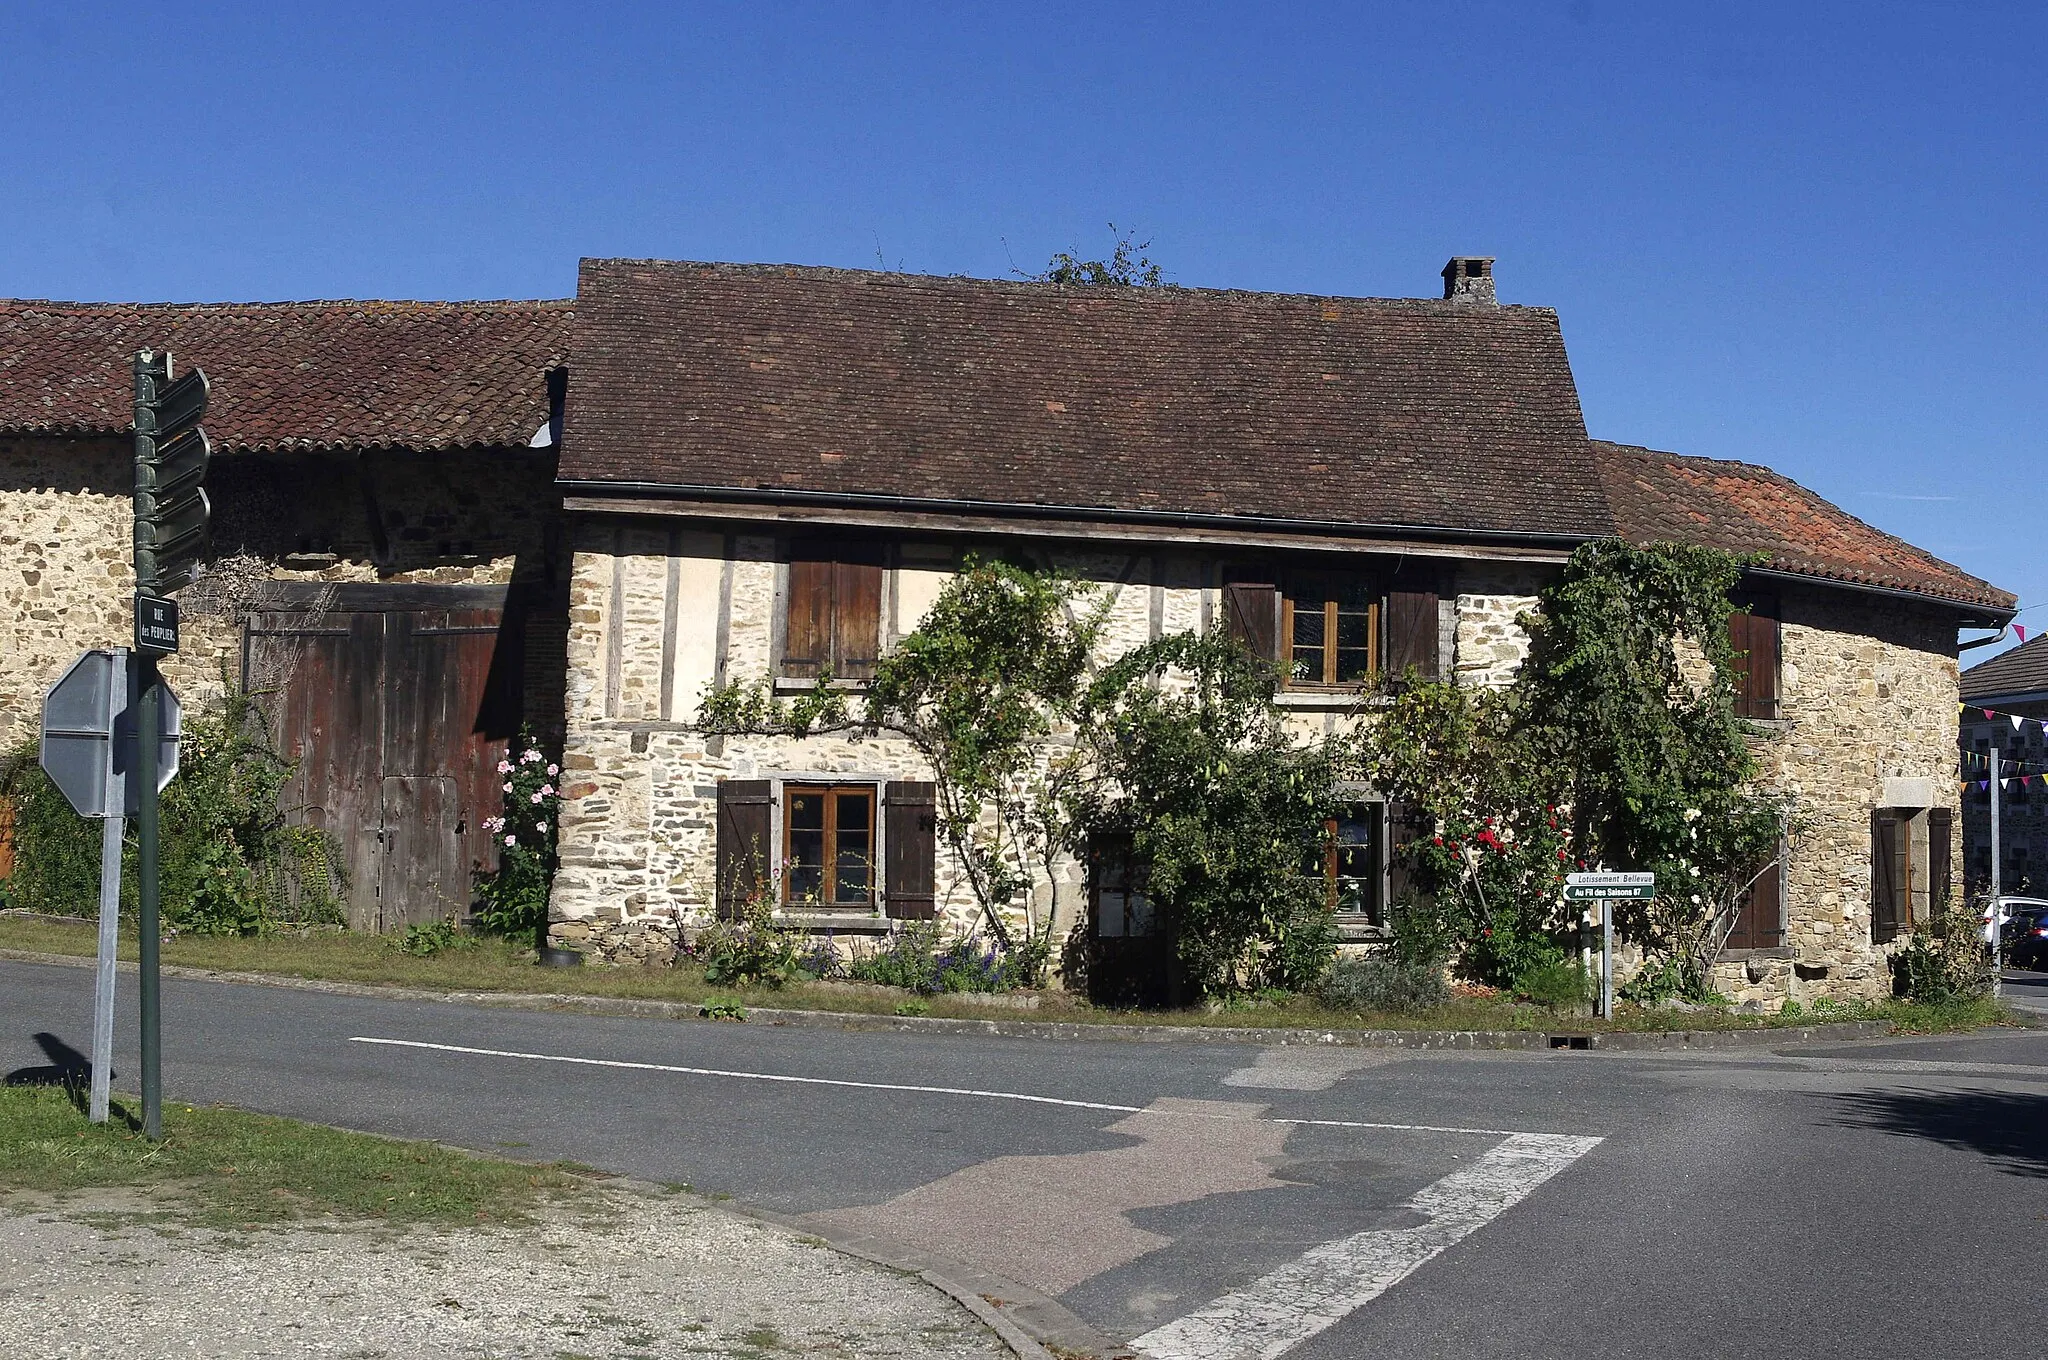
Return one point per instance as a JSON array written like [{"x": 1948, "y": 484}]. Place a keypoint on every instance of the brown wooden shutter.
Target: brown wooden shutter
[
  {"x": 1252, "y": 614},
  {"x": 1941, "y": 824},
  {"x": 1754, "y": 636},
  {"x": 1411, "y": 631},
  {"x": 1759, "y": 912},
  {"x": 807, "y": 631},
  {"x": 1887, "y": 882},
  {"x": 856, "y": 618},
  {"x": 743, "y": 849},
  {"x": 910, "y": 827},
  {"x": 1406, "y": 824}
]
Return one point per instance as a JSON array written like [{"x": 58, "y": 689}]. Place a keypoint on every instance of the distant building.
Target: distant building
[{"x": 2012, "y": 684}]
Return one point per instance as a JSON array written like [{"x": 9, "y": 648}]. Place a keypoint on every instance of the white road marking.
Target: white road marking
[
  {"x": 1306, "y": 1296},
  {"x": 895, "y": 1086}
]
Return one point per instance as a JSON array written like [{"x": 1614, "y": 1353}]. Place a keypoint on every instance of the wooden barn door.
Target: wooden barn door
[{"x": 396, "y": 702}]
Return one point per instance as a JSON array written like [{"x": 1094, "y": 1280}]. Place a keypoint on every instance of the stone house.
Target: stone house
[
  {"x": 387, "y": 568},
  {"x": 768, "y": 472},
  {"x": 2006, "y": 710}
]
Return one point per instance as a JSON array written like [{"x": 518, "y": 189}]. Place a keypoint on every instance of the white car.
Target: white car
[{"x": 2000, "y": 912}]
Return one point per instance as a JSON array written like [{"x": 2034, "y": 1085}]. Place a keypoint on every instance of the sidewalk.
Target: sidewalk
[
  {"x": 625, "y": 1272},
  {"x": 2025, "y": 991}
]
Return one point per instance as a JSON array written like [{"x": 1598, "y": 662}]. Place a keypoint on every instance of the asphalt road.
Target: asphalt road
[{"x": 1881, "y": 1198}]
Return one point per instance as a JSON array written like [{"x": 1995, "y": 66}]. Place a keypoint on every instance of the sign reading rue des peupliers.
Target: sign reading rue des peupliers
[{"x": 1610, "y": 887}]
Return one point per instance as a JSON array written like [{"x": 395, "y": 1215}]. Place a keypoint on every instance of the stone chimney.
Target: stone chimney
[{"x": 1469, "y": 279}]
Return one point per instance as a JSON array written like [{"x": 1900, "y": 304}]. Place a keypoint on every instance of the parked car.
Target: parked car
[
  {"x": 2004, "y": 910},
  {"x": 2023, "y": 936}
]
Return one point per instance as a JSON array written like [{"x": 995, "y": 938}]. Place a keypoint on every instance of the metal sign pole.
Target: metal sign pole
[
  {"x": 148, "y": 721},
  {"x": 112, "y": 823},
  {"x": 103, "y": 990},
  {"x": 1607, "y": 960},
  {"x": 1997, "y": 931}
]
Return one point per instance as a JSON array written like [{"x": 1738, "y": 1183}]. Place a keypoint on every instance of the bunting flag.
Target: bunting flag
[
  {"x": 2019, "y": 632},
  {"x": 1983, "y": 786}
]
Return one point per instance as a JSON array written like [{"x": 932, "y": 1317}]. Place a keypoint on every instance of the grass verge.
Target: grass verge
[
  {"x": 492, "y": 965},
  {"x": 226, "y": 1168}
]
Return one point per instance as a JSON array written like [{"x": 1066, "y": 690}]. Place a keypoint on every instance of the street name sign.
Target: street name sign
[
  {"x": 156, "y": 624},
  {"x": 1610, "y": 887}
]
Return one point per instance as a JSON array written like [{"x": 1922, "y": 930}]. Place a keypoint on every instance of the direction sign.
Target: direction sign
[
  {"x": 1609, "y": 887},
  {"x": 89, "y": 727}
]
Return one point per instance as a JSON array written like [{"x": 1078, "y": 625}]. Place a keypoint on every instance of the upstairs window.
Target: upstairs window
[
  {"x": 1753, "y": 633},
  {"x": 1332, "y": 630},
  {"x": 832, "y": 622}
]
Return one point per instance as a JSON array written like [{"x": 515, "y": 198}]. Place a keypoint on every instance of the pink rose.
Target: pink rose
[
  {"x": 511, "y": 840},
  {"x": 554, "y": 770},
  {"x": 547, "y": 788},
  {"x": 535, "y": 798},
  {"x": 504, "y": 767}
]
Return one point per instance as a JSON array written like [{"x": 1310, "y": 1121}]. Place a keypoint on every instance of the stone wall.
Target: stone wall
[
  {"x": 660, "y": 613},
  {"x": 1868, "y": 697},
  {"x": 66, "y": 573}
]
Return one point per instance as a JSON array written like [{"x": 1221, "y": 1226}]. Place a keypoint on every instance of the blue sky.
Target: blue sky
[{"x": 1803, "y": 235}]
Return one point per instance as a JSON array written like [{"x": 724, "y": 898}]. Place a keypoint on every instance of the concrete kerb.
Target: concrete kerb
[{"x": 1267, "y": 1036}]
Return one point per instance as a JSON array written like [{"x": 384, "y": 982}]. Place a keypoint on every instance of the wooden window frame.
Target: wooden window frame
[
  {"x": 1374, "y": 814},
  {"x": 831, "y": 793},
  {"x": 1295, "y": 584},
  {"x": 1136, "y": 882}
]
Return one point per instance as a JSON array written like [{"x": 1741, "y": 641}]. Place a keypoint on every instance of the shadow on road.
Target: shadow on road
[
  {"x": 67, "y": 1068},
  {"x": 2009, "y": 1129}
]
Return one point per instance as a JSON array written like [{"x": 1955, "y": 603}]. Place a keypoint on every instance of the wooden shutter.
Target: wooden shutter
[
  {"x": 1888, "y": 911},
  {"x": 807, "y": 628},
  {"x": 856, "y": 618},
  {"x": 910, "y": 830},
  {"x": 1252, "y": 614},
  {"x": 1759, "y": 912},
  {"x": 1411, "y": 631},
  {"x": 1406, "y": 824},
  {"x": 1754, "y": 636},
  {"x": 743, "y": 847},
  {"x": 1941, "y": 824}
]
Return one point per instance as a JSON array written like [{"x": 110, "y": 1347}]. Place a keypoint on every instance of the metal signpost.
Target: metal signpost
[
  {"x": 1607, "y": 889},
  {"x": 171, "y": 541},
  {"x": 89, "y": 752}
]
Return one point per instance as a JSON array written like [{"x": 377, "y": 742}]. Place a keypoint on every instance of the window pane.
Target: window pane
[
  {"x": 805, "y": 872},
  {"x": 1353, "y": 664},
  {"x": 855, "y": 849},
  {"x": 807, "y": 812},
  {"x": 1354, "y": 596},
  {"x": 1308, "y": 624},
  {"x": 1140, "y": 917},
  {"x": 1109, "y": 914}
]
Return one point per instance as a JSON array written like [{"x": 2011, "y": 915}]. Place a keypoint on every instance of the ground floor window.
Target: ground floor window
[
  {"x": 1118, "y": 900},
  {"x": 1346, "y": 865},
  {"x": 828, "y": 854}
]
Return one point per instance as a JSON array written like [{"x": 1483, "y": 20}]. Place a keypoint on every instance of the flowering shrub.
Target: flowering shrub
[
  {"x": 515, "y": 895},
  {"x": 921, "y": 958},
  {"x": 750, "y": 952}
]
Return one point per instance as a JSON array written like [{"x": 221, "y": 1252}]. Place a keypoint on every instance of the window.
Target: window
[
  {"x": 1121, "y": 906},
  {"x": 828, "y": 846},
  {"x": 1348, "y": 865},
  {"x": 1330, "y": 627},
  {"x": 1330, "y": 630},
  {"x": 1753, "y": 633},
  {"x": 832, "y": 621}
]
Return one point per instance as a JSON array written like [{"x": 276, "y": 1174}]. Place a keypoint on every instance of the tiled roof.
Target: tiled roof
[
  {"x": 1423, "y": 414},
  {"x": 1743, "y": 508},
  {"x": 423, "y": 375},
  {"x": 2020, "y": 670}
]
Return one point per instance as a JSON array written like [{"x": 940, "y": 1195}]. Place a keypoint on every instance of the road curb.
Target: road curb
[{"x": 1613, "y": 1041}]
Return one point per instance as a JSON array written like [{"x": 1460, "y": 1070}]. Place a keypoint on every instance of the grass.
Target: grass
[
  {"x": 225, "y": 1168},
  {"x": 491, "y": 965}
]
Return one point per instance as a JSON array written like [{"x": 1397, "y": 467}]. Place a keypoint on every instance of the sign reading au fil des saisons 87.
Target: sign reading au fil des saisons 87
[{"x": 1609, "y": 887}]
